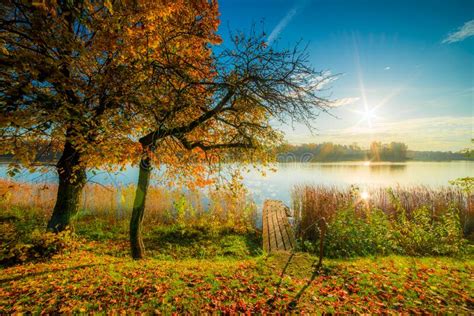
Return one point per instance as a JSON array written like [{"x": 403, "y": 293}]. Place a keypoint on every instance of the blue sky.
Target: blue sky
[{"x": 407, "y": 66}]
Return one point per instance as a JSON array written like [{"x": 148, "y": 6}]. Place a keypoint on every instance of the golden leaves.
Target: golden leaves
[{"x": 109, "y": 6}]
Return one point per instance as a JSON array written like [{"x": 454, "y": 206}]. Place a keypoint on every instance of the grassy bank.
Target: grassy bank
[
  {"x": 87, "y": 280},
  {"x": 415, "y": 221},
  {"x": 211, "y": 259},
  {"x": 24, "y": 240}
]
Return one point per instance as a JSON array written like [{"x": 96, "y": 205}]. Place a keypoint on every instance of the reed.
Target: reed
[
  {"x": 222, "y": 208},
  {"x": 313, "y": 203}
]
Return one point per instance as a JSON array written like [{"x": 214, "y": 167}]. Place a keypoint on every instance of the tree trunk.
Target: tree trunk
[
  {"x": 136, "y": 241},
  {"x": 72, "y": 178}
]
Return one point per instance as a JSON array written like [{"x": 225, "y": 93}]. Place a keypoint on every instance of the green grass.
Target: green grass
[
  {"x": 192, "y": 268},
  {"x": 176, "y": 241},
  {"x": 86, "y": 280},
  {"x": 20, "y": 231}
]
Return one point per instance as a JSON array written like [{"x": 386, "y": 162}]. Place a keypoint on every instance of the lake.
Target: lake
[{"x": 278, "y": 185}]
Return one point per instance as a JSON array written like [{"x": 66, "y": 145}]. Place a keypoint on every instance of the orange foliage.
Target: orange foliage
[{"x": 95, "y": 74}]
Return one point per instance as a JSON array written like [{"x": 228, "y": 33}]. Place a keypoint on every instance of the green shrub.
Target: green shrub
[
  {"x": 360, "y": 228},
  {"x": 35, "y": 245},
  {"x": 350, "y": 235},
  {"x": 23, "y": 237},
  {"x": 311, "y": 203},
  {"x": 425, "y": 235}
]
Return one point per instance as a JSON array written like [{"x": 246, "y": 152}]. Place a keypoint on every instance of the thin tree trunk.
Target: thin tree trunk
[
  {"x": 72, "y": 179},
  {"x": 136, "y": 240}
]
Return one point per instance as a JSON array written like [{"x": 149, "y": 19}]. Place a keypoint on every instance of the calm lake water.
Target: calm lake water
[{"x": 279, "y": 184}]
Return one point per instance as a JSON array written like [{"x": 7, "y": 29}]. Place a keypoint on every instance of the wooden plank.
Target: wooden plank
[
  {"x": 266, "y": 228},
  {"x": 273, "y": 233},
  {"x": 285, "y": 228},
  {"x": 277, "y": 231},
  {"x": 280, "y": 232},
  {"x": 290, "y": 235},
  {"x": 284, "y": 224}
]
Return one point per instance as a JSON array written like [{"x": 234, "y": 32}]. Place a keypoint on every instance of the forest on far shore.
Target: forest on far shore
[
  {"x": 323, "y": 152},
  {"x": 394, "y": 151}
]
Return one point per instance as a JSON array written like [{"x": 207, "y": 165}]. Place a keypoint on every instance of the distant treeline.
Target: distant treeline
[
  {"x": 394, "y": 151},
  {"x": 324, "y": 152}
]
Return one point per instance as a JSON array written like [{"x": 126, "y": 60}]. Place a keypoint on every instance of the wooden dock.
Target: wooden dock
[{"x": 277, "y": 232}]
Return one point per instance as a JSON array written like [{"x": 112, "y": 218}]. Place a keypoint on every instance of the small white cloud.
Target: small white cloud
[
  {"x": 467, "y": 30},
  {"x": 387, "y": 68},
  {"x": 344, "y": 101}
]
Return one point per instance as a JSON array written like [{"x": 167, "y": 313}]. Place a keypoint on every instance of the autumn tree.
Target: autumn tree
[
  {"x": 77, "y": 76},
  {"x": 226, "y": 114},
  {"x": 388, "y": 152}
]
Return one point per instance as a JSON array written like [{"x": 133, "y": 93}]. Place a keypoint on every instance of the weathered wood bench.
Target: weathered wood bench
[{"x": 277, "y": 232}]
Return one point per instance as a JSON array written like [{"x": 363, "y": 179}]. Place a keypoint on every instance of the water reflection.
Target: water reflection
[
  {"x": 371, "y": 166},
  {"x": 396, "y": 167}
]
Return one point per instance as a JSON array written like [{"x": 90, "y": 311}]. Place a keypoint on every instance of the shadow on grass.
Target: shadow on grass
[
  {"x": 178, "y": 242},
  {"x": 318, "y": 270},
  {"x": 35, "y": 274},
  {"x": 303, "y": 268},
  {"x": 202, "y": 242},
  {"x": 282, "y": 274}
]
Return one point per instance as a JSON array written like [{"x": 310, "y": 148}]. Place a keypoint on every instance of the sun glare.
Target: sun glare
[
  {"x": 364, "y": 195},
  {"x": 369, "y": 116}
]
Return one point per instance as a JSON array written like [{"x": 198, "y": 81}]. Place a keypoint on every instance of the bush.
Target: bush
[
  {"x": 350, "y": 235},
  {"x": 311, "y": 203},
  {"x": 359, "y": 230},
  {"x": 423, "y": 235},
  {"x": 20, "y": 243}
]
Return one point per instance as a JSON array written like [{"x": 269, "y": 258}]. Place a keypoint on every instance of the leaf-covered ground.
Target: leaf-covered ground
[{"x": 87, "y": 280}]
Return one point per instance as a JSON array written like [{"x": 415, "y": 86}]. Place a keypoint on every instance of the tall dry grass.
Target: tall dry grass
[
  {"x": 313, "y": 203},
  {"x": 114, "y": 204}
]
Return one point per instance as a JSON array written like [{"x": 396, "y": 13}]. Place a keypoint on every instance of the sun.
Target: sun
[{"x": 369, "y": 116}]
